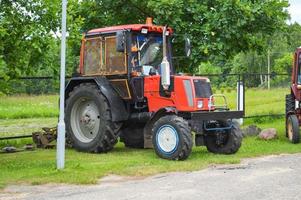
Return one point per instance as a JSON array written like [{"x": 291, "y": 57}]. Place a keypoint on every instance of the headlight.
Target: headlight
[{"x": 200, "y": 104}]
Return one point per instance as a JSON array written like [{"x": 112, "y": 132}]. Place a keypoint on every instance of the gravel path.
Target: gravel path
[{"x": 272, "y": 177}]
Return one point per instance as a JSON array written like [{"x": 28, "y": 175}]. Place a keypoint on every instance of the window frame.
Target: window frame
[{"x": 103, "y": 52}]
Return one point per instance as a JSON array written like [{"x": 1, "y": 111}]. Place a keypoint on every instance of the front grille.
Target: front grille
[{"x": 202, "y": 88}]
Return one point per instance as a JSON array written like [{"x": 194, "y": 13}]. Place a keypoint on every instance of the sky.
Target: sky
[{"x": 295, "y": 11}]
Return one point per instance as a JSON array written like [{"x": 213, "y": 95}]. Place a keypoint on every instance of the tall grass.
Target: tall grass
[
  {"x": 258, "y": 102},
  {"x": 24, "y": 106},
  {"x": 261, "y": 101}
]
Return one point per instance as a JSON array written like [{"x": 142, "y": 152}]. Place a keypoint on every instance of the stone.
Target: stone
[
  {"x": 251, "y": 130},
  {"x": 268, "y": 134}
]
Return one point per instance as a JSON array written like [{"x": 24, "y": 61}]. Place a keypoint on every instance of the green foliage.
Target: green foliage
[
  {"x": 219, "y": 30},
  {"x": 208, "y": 68},
  {"x": 25, "y": 35},
  {"x": 29, "y": 41},
  {"x": 284, "y": 64}
]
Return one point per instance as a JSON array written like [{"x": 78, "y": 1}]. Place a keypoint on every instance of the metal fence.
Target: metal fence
[
  {"x": 50, "y": 85},
  {"x": 221, "y": 83}
]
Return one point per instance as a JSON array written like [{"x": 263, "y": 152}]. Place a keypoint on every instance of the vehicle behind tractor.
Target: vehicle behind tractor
[
  {"x": 292, "y": 101},
  {"x": 127, "y": 89}
]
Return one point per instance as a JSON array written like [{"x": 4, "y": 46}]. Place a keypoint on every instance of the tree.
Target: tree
[
  {"x": 218, "y": 29},
  {"x": 30, "y": 39},
  {"x": 26, "y": 34}
]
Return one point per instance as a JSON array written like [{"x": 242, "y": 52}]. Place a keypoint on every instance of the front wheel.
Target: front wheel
[
  {"x": 292, "y": 129},
  {"x": 223, "y": 141},
  {"x": 172, "y": 138}
]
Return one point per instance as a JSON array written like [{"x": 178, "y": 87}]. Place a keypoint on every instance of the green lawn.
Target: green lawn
[
  {"x": 258, "y": 101},
  {"x": 38, "y": 166},
  {"x": 16, "y": 107}
]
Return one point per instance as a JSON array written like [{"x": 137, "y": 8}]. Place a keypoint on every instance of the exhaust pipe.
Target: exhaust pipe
[{"x": 165, "y": 66}]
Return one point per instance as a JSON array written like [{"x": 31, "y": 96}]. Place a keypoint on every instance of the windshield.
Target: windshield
[{"x": 147, "y": 52}]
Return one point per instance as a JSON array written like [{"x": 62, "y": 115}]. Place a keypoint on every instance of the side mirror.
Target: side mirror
[
  {"x": 120, "y": 41},
  {"x": 187, "y": 47}
]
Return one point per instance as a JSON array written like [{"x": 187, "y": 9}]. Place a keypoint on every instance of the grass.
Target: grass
[
  {"x": 16, "y": 127},
  {"x": 258, "y": 101},
  {"x": 261, "y": 101},
  {"x": 16, "y": 107},
  {"x": 38, "y": 167}
]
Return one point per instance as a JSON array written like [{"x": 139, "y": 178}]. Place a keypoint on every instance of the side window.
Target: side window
[
  {"x": 92, "y": 56},
  {"x": 299, "y": 66},
  {"x": 101, "y": 57},
  {"x": 115, "y": 61}
]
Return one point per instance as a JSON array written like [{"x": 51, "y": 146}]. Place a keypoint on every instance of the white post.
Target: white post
[
  {"x": 240, "y": 99},
  {"x": 60, "y": 153}
]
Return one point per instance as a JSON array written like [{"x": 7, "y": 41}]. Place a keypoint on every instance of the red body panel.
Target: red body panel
[{"x": 178, "y": 98}]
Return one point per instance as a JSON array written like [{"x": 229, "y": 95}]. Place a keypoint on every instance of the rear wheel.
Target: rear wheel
[
  {"x": 88, "y": 120},
  {"x": 292, "y": 129},
  {"x": 223, "y": 141},
  {"x": 172, "y": 138}
]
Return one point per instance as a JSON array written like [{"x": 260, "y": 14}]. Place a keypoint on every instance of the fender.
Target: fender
[
  {"x": 119, "y": 112},
  {"x": 147, "y": 131}
]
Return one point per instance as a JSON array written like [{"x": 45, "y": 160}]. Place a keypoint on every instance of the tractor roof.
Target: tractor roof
[{"x": 133, "y": 27}]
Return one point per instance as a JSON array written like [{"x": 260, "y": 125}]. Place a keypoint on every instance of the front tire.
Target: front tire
[
  {"x": 172, "y": 138},
  {"x": 289, "y": 107},
  {"x": 223, "y": 141},
  {"x": 89, "y": 125},
  {"x": 292, "y": 129}
]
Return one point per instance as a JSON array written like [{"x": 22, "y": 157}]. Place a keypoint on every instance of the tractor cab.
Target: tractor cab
[{"x": 131, "y": 50}]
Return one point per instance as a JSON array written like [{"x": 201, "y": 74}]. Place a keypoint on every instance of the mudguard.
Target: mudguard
[
  {"x": 147, "y": 132},
  {"x": 119, "y": 112}
]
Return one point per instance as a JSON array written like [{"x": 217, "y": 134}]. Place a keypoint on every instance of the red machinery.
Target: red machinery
[
  {"x": 127, "y": 88},
  {"x": 292, "y": 101}
]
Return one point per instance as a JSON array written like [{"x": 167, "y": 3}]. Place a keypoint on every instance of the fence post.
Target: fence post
[{"x": 240, "y": 98}]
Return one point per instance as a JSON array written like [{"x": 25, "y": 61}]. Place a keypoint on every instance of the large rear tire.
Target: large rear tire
[
  {"x": 292, "y": 129},
  {"x": 223, "y": 141},
  {"x": 172, "y": 138},
  {"x": 89, "y": 124}
]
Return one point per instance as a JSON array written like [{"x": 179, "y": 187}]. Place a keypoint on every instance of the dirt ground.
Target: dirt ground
[{"x": 272, "y": 177}]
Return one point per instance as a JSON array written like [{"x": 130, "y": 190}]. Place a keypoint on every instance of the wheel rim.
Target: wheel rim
[
  {"x": 290, "y": 130},
  {"x": 85, "y": 120},
  {"x": 167, "y": 139}
]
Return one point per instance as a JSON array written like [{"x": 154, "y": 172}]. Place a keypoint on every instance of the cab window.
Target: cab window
[{"x": 299, "y": 71}]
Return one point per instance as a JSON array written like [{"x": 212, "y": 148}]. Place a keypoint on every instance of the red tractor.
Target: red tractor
[
  {"x": 292, "y": 101},
  {"x": 127, "y": 89}
]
